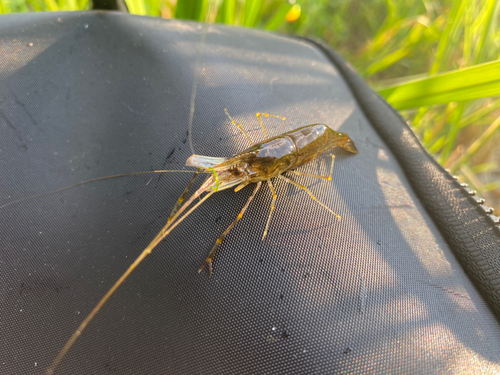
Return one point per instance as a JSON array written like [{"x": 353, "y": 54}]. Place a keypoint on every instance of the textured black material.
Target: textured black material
[
  {"x": 469, "y": 231},
  {"x": 109, "y": 5},
  {"x": 85, "y": 95}
]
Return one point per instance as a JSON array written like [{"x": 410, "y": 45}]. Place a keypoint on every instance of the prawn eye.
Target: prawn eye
[{"x": 235, "y": 171}]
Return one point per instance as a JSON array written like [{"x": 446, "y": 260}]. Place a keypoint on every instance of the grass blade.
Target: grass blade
[
  {"x": 252, "y": 11},
  {"x": 454, "y": 22},
  {"x": 478, "y": 143},
  {"x": 278, "y": 18},
  {"x": 476, "y": 82}
]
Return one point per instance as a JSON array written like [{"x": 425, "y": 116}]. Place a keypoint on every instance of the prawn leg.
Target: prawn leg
[
  {"x": 258, "y": 114},
  {"x": 309, "y": 193},
  {"x": 221, "y": 238},
  {"x": 329, "y": 177},
  {"x": 238, "y": 125},
  {"x": 272, "y": 207},
  {"x": 182, "y": 197}
]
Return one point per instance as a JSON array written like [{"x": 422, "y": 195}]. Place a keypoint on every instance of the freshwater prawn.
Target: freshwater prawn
[{"x": 259, "y": 163}]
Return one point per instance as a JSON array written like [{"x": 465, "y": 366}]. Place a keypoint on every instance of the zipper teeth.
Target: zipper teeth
[{"x": 479, "y": 202}]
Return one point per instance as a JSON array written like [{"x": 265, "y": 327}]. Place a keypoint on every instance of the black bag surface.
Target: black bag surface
[{"x": 407, "y": 282}]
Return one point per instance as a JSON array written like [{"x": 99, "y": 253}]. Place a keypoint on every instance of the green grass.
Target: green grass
[
  {"x": 437, "y": 61},
  {"x": 478, "y": 81}
]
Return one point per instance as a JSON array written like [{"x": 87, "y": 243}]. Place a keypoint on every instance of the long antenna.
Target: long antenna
[
  {"x": 89, "y": 181},
  {"x": 169, "y": 226},
  {"x": 209, "y": 18}
]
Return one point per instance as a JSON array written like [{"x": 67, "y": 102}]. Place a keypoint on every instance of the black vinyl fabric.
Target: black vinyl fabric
[{"x": 86, "y": 95}]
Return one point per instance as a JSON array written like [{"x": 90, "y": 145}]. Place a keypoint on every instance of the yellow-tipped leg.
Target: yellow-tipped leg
[
  {"x": 210, "y": 257},
  {"x": 241, "y": 186},
  {"x": 329, "y": 177},
  {"x": 272, "y": 207},
  {"x": 221, "y": 238},
  {"x": 258, "y": 114},
  {"x": 183, "y": 196},
  {"x": 238, "y": 125},
  {"x": 310, "y": 194}
]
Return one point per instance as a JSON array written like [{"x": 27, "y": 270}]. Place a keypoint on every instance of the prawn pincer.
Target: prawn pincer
[{"x": 260, "y": 162}]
